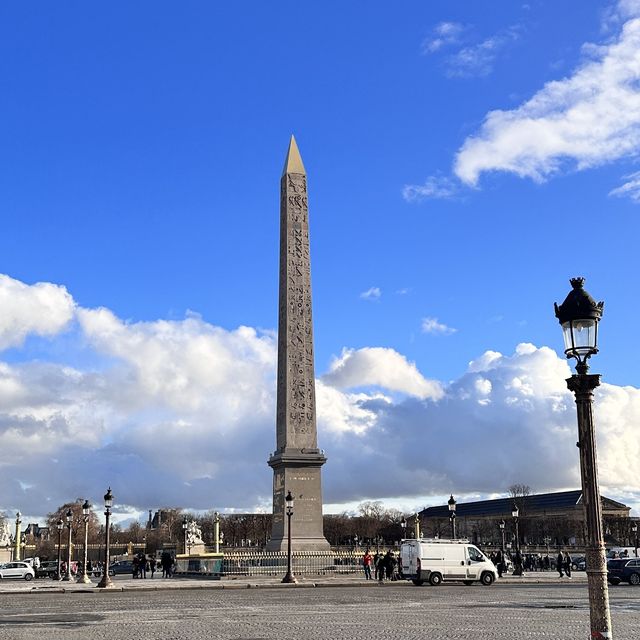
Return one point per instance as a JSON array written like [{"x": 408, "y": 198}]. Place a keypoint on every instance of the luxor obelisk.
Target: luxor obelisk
[{"x": 297, "y": 460}]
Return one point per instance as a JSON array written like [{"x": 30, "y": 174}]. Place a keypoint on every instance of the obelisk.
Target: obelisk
[{"x": 297, "y": 460}]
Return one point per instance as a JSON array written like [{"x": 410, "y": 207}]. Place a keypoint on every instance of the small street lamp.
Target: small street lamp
[
  {"x": 514, "y": 513},
  {"x": 452, "y": 516},
  {"x": 185, "y": 525},
  {"x": 106, "y": 582},
  {"x": 69, "y": 519},
  {"x": 86, "y": 510},
  {"x": 59, "y": 527},
  {"x": 579, "y": 316},
  {"x": 289, "y": 577},
  {"x": 634, "y": 530},
  {"x": 403, "y": 524},
  {"x": 501, "y": 524},
  {"x": 18, "y": 537}
]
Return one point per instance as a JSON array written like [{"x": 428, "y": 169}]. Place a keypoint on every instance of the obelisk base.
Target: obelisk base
[{"x": 298, "y": 471}]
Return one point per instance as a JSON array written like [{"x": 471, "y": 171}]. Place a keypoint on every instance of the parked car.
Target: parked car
[
  {"x": 624, "y": 570},
  {"x": 47, "y": 569},
  {"x": 17, "y": 570},
  {"x": 120, "y": 567},
  {"x": 578, "y": 563}
]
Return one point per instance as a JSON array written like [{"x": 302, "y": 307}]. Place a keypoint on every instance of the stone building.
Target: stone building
[{"x": 543, "y": 519}]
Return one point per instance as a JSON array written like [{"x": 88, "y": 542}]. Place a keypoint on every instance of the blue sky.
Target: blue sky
[{"x": 141, "y": 153}]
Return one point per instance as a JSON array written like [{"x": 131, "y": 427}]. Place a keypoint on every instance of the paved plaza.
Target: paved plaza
[{"x": 330, "y": 611}]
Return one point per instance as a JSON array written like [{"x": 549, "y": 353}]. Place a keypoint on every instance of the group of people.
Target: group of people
[
  {"x": 142, "y": 565},
  {"x": 531, "y": 562},
  {"x": 383, "y": 566}
]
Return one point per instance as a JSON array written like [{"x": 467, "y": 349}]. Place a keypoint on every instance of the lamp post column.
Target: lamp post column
[
  {"x": 582, "y": 385},
  {"x": 417, "y": 518},
  {"x": 452, "y": 516},
  {"x": 83, "y": 577},
  {"x": 216, "y": 531},
  {"x": 289, "y": 577},
  {"x": 18, "y": 537},
  {"x": 59, "y": 527},
  {"x": 634, "y": 530},
  {"x": 67, "y": 575},
  {"x": 106, "y": 582}
]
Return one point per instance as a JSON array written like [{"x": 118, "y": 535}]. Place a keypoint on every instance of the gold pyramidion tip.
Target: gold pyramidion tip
[{"x": 293, "y": 162}]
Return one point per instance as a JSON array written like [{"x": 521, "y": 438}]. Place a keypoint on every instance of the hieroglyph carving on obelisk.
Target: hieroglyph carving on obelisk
[{"x": 297, "y": 460}]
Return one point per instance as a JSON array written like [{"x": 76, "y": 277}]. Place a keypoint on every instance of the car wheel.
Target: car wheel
[
  {"x": 634, "y": 579},
  {"x": 435, "y": 579},
  {"x": 418, "y": 583},
  {"x": 486, "y": 578},
  {"x": 468, "y": 582},
  {"x": 27, "y": 576},
  {"x": 574, "y": 566}
]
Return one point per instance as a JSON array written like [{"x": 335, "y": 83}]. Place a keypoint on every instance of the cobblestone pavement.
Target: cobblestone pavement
[{"x": 392, "y": 611}]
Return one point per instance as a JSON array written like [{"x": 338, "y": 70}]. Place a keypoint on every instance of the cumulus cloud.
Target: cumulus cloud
[
  {"x": 433, "y": 325},
  {"x": 379, "y": 367},
  {"x": 587, "y": 119},
  {"x": 41, "y": 309},
  {"x": 183, "y": 413},
  {"x": 374, "y": 293}
]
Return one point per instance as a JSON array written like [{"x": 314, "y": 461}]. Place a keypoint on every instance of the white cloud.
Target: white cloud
[
  {"x": 435, "y": 187},
  {"x": 380, "y": 367},
  {"x": 433, "y": 325},
  {"x": 41, "y": 309},
  {"x": 373, "y": 294},
  {"x": 587, "y": 119},
  {"x": 630, "y": 189},
  {"x": 477, "y": 60},
  {"x": 443, "y": 34}
]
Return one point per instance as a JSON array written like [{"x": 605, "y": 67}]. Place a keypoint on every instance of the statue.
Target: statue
[
  {"x": 5, "y": 534},
  {"x": 194, "y": 534}
]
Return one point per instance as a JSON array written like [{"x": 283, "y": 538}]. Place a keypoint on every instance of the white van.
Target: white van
[{"x": 435, "y": 560}]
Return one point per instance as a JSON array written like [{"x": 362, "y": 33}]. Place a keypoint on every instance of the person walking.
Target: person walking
[
  {"x": 152, "y": 566},
  {"x": 567, "y": 564},
  {"x": 560, "y": 563},
  {"x": 499, "y": 562},
  {"x": 367, "y": 561}
]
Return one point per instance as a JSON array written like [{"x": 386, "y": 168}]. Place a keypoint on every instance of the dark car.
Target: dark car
[
  {"x": 122, "y": 566},
  {"x": 624, "y": 570},
  {"x": 578, "y": 563},
  {"x": 47, "y": 569}
]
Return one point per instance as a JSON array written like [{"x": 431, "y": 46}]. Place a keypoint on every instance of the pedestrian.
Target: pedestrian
[
  {"x": 152, "y": 566},
  {"x": 567, "y": 564},
  {"x": 142, "y": 565},
  {"x": 367, "y": 561},
  {"x": 560, "y": 563},
  {"x": 499, "y": 562},
  {"x": 165, "y": 562}
]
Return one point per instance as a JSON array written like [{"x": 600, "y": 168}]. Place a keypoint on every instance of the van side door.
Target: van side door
[{"x": 474, "y": 560}]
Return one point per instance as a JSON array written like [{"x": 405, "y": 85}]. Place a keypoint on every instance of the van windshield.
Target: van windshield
[{"x": 474, "y": 554}]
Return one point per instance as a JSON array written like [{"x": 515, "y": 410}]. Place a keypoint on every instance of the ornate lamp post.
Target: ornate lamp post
[
  {"x": 17, "y": 538},
  {"x": 501, "y": 524},
  {"x": 417, "y": 519},
  {"x": 86, "y": 510},
  {"x": 452, "y": 516},
  {"x": 579, "y": 316},
  {"x": 106, "y": 583},
  {"x": 216, "y": 531},
  {"x": 634, "y": 530},
  {"x": 514, "y": 514},
  {"x": 59, "y": 527},
  {"x": 403, "y": 524},
  {"x": 289, "y": 577},
  {"x": 69, "y": 519},
  {"x": 185, "y": 525}
]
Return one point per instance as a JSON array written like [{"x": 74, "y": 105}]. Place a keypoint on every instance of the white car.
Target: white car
[{"x": 17, "y": 570}]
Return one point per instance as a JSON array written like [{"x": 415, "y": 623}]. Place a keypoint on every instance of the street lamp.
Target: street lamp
[
  {"x": 501, "y": 524},
  {"x": 289, "y": 577},
  {"x": 417, "y": 519},
  {"x": 86, "y": 510},
  {"x": 69, "y": 519},
  {"x": 634, "y": 530},
  {"x": 403, "y": 524},
  {"x": 59, "y": 527},
  {"x": 106, "y": 583},
  {"x": 18, "y": 537},
  {"x": 514, "y": 513},
  {"x": 185, "y": 525},
  {"x": 452, "y": 516},
  {"x": 579, "y": 316},
  {"x": 216, "y": 531}
]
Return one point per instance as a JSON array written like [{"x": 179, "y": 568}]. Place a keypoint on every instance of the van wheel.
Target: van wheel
[
  {"x": 634, "y": 578},
  {"x": 435, "y": 579},
  {"x": 468, "y": 582},
  {"x": 486, "y": 578},
  {"x": 418, "y": 583}
]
